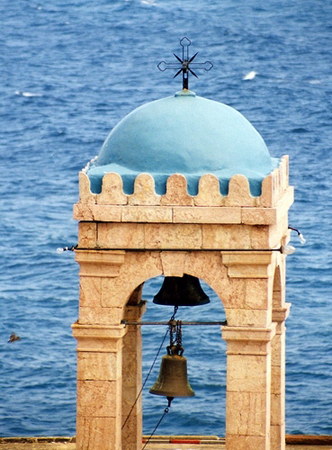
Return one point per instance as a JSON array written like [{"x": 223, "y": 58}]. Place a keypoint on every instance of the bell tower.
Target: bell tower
[
  {"x": 182, "y": 186},
  {"x": 233, "y": 243}
]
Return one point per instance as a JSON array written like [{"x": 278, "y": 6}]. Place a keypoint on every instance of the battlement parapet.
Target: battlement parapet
[{"x": 177, "y": 206}]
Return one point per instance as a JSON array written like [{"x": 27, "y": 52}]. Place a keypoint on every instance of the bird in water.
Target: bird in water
[{"x": 14, "y": 337}]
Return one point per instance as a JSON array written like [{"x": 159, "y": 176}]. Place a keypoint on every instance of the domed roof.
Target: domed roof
[{"x": 184, "y": 134}]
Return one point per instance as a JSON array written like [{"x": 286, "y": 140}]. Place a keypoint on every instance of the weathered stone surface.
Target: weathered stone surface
[
  {"x": 247, "y": 414},
  {"x": 144, "y": 191},
  {"x": 112, "y": 191},
  {"x": 209, "y": 192},
  {"x": 176, "y": 192}
]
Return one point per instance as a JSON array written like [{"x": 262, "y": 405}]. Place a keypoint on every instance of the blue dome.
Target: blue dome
[{"x": 183, "y": 134}]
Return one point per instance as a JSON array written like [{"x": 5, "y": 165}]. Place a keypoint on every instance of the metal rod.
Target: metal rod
[
  {"x": 181, "y": 249},
  {"x": 125, "y": 322}
]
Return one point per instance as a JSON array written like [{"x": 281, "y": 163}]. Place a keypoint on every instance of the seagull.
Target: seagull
[
  {"x": 14, "y": 337},
  {"x": 250, "y": 75}
]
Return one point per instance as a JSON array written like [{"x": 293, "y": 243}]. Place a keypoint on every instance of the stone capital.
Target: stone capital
[
  {"x": 248, "y": 340},
  {"x": 99, "y": 338},
  {"x": 251, "y": 264},
  {"x": 135, "y": 312},
  {"x": 100, "y": 263},
  {"x": 280, "y": 314}
]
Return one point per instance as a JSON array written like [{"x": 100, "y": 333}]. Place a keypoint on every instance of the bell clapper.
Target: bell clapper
[{"x": 170, "y": 399}]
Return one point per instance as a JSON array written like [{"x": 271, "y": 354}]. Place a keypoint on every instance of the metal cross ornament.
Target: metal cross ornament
[{"x": 186, "y": 64}]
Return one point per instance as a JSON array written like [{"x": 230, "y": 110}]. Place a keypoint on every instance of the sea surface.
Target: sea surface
[{"x": 69, "y": 72}]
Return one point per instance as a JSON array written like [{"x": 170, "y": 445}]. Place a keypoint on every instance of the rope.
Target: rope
[
  {"x": 151, "y": 368},
  {"x": 166, "y": 410}
]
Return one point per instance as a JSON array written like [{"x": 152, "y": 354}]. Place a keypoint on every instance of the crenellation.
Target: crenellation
[
  {"x": 176, "y": 192},
  {"x": 112, "y": 191},
  {"x": 209, "y": 192},
  {"x": 266, "y": 198},
  {"x": 85, "y": 194},
  {"x": 208, "y": 206},
  {"x": 239, "y": 192},
  {"x": 144, "y": 191}
]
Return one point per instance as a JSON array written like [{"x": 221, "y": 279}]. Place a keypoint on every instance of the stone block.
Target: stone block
[
  {"x": 98, "y": 366},
  {"x": 144, "y": 191},
  {"x": 278, "y": 349},
  {"x": 176, "y": 192},
  {"x": 277, "y": 434},
  {"x": 248, "y": 317},
  {"x": 266, "y": 199},
  {"x": 258, "y": 216},
  {"x": 179, "y": 236},
  {"x": 83, "y": 211},
  {"x": 278, "y": 409},
  {"x": 99, "y": 263},
  {"x": 257, "y": 295},
  {"x": 107, "y": 213},
  {"x": 247, "y": 414},
  {"x": 97, "y": 433},
  {"x": 209, "y": 192},
  {"x": 163, "y": 214},
  {"x": 226, "y": 236},
  {"x": 207, "y": 215},
  {"x": 278, "y": 379},
  {"x": 98, "y": 398},
  {"x": 86, "y": 195},
  {"x": 246, "y": 442},
  {"x": 87, "y": 234},
  {"x": 259, "y": 236},
  {"x": 239, "y": 192},
  {"x": 112, "y": 191},
  {"x": 110, "y": 295},
  {"x": 90, "y": 291},
  {"x": 248, "y": 373},
  {"x": 248, "y": 347},
  {"x": 100, "y": 316},
  {"x": 173, "y": 263},
  {"x": 123, "y": 235}
]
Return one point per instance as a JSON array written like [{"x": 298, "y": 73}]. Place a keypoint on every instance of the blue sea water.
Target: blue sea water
[{"x": 69, "y": 72}]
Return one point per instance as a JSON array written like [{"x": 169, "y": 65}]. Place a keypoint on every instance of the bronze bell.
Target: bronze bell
[
  {"x": 172, "y": 380},
  {"x": 181, "y": 291}
]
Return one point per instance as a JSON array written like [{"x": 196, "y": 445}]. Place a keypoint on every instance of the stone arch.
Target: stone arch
[
  {"x": 138, "y": 267},
  {"x": 134, "y": 338}
]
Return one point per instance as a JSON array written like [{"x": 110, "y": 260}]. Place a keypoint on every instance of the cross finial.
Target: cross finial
[{"x": 184, "y": 65}]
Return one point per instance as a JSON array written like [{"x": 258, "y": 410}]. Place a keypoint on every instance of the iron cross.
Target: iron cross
[{"x": 185, "y": 63}]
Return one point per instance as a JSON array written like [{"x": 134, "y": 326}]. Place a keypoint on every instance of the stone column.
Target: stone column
[
  {"x": 248, "y": 387},
  {"x": 99, "y": 335},
  {"x": 278, "y": 364},
  {"x": 132, "y": 380},
  {"x": 99, "y": 386}
]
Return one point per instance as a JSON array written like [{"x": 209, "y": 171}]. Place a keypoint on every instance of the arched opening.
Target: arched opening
[
  {"x": 206, "y": 359},
  {"x": 277, "y": 298}
]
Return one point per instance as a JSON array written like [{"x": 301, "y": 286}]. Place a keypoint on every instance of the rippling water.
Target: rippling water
[{"x": 70, "y": 72}]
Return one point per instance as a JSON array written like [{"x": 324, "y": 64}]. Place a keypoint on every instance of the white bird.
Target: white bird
[{"x": 250, "y": 75}]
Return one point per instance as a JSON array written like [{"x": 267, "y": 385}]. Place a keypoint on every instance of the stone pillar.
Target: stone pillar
[
  {"x": 248, "y": 387},
  {"x": 99, "y": 386},
  {"x": 99, "y": 337},
  {"x": 278, "y": 364},
  {"x": 132, "y": 380}
]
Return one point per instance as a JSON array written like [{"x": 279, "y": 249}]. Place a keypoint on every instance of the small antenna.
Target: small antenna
[{"x": 185, "y": 64}]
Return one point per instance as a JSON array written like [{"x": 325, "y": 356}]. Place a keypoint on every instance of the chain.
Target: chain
[{"x": 179, "y": 333}]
